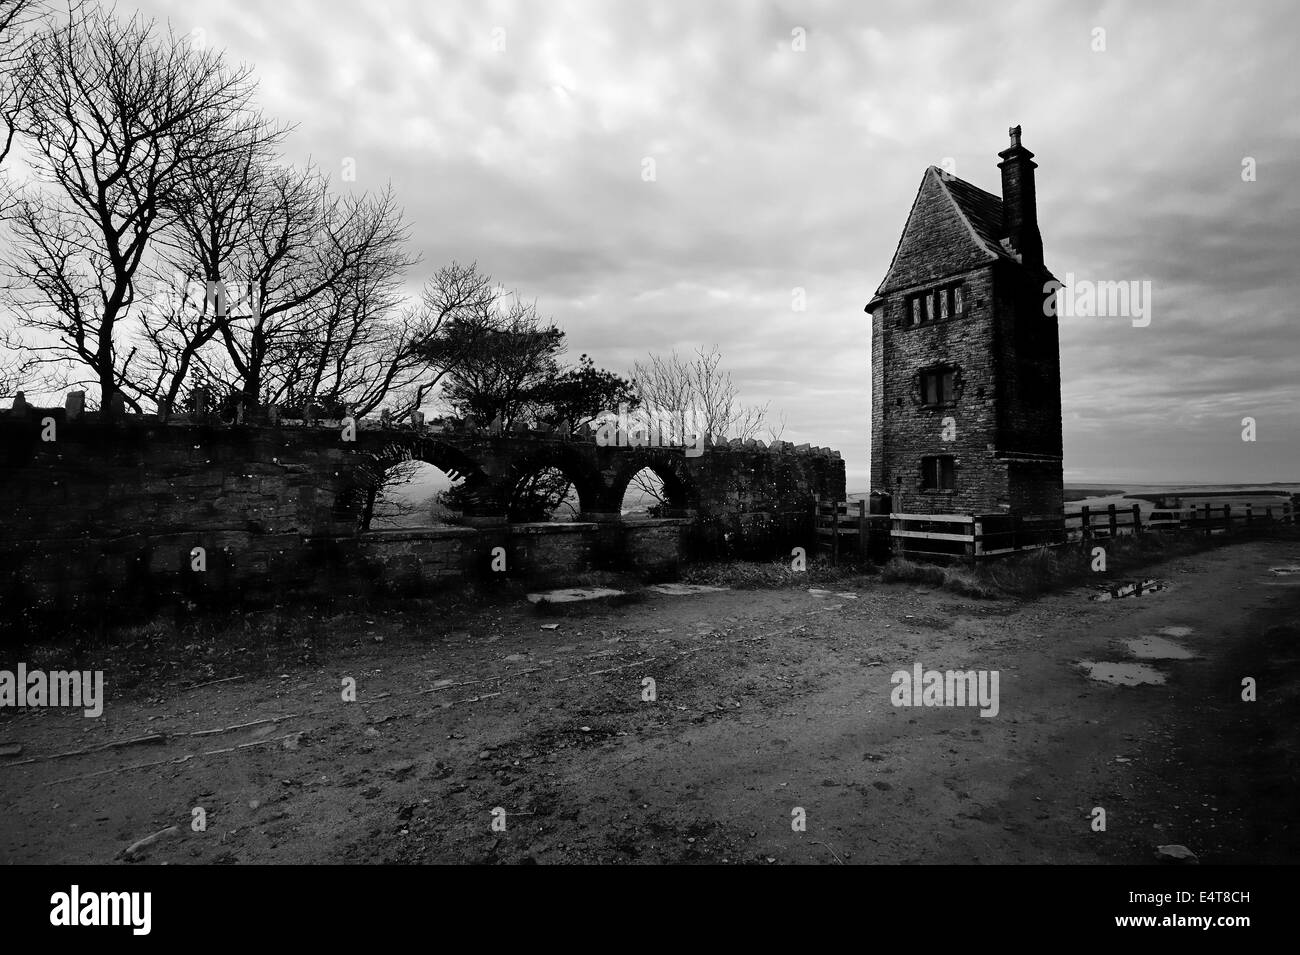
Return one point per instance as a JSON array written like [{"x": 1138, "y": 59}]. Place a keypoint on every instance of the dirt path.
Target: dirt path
[{"x": 767, "y": 702}]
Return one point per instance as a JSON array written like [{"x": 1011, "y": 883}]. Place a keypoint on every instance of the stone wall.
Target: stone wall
[
  {"x": 417, "y": 560},
  {"x": 907, "y": 430},
  {"x": 112, "y": 516},
  {"x": 1006, "y": 406}
]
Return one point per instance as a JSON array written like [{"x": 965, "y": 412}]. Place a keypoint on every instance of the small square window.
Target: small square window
[
  {"x": 938, "y": 473},
  {"x": 938, "y": 386}
]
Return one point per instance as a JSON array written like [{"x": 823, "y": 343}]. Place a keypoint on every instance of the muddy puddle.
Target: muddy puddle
[
  {"x": 573, "y": 595},
  {"x": 1158, "y": 648},
  {"x": 1122, "y": 674},
  {"x": 685, "y": 590}
]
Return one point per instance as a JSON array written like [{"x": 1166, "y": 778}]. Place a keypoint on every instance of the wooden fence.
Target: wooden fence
[
  {"x": 956, "y": 536},
  {"x": 842, "y": 528}
]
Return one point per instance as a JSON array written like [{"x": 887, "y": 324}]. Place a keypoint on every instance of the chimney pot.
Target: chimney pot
[{"x": 1019, "y": 201}]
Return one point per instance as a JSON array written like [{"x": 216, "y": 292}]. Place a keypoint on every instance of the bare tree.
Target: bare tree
[
  {"x": 154, "y": 167},
  {"x": 271, "y": 262},
  {"x": 194, "y": 274},
  {"x": 17, "y": 20},
  {"x": 647, "y": 485},
  {"x": 116, "y": 115},
  {"x": 692, "y": 397},
  {"x": 775, "y": 429},
  {"x": 18, "y": 365},
  {"x": 358, "y": 342},
  {"x": 696, "y": 396},
  {"x": 456, "y": 305},
  {"x": 320, "y": 318}
]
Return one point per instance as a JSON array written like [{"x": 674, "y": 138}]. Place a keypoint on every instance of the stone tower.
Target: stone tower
[{"x": 965, "y": 359}]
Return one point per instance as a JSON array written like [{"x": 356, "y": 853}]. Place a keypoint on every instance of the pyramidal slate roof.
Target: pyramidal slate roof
[{"x": 982, "y": 210}]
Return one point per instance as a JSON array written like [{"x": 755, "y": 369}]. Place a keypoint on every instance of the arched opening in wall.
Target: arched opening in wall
[
  {"x": 656, "y": 491},
  {"x": 544, "y": 495},
  {"x": 645, "y": 496},
  {"x": 414, "y": 493}
]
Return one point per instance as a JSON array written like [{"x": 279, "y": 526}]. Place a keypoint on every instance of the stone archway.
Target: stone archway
[
  {"x": 679, "y": 490},
  {"x": 374, "y": 466},
  {"x": 564, "y": 460},
  {"x": 477, "y": 497}
]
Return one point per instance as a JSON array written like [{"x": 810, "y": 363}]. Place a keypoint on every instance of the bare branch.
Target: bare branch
[
  {"x": 697, "y": 396},
  {"x": 117, "y": 116}
]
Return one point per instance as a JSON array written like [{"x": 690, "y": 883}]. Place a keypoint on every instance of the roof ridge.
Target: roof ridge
[
  {"x": 944, "y": 179},
  {"x": 981, "y": 211},
  {"x": 966, "y": 182},
  {"x": 898, "y": 246}
]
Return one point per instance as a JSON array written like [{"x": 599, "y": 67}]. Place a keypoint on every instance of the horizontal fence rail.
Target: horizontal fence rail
[
  {"x": 834, "y": 521},
  {"x": 841, "y": 528},
  {"x": 954, "y": 536}
]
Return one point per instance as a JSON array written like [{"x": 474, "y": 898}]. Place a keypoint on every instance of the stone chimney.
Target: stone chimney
[{"x": 1019, "y": 205}]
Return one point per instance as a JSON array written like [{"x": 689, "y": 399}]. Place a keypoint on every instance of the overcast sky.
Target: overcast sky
[{"x": 516, "y": 133}]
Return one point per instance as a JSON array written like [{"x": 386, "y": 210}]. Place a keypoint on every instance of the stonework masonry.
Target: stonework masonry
[
  {"x": 1001, "y": 425},
  {"x": 108, "y": 515}
]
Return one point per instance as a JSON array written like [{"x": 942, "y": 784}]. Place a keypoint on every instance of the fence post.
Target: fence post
[
  {"x": 816, "y": 517},
  {"x": 835, "y": 533},
  {"x": 1087, "y": 524},
  {"x": 977, "y": 532},
  {"x": 1209, "y": 522},
  {"x": 862, "y": 529},
  {"x": 1268, "y": 513},
  {"x": 1015, "y": 531},
  {"x": 1137, "y": 519},
  {"x": 1248, "y": 518},
  {"x": 1227, "y": 519},
  {"x": 1110, "y": 518}
]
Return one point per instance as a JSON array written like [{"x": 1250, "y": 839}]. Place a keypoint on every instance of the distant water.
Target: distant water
[
  {"x": 1145, "y": 507},
  {"x": 1188, "y": 490}
]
